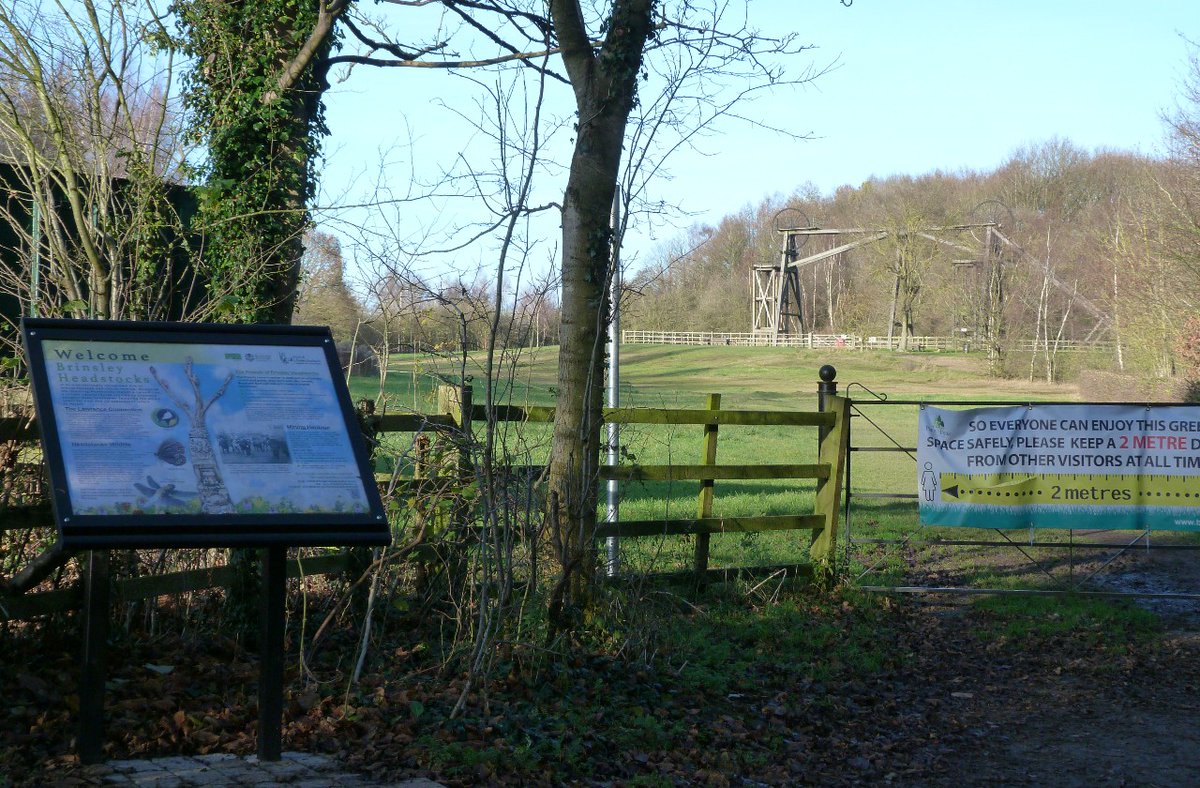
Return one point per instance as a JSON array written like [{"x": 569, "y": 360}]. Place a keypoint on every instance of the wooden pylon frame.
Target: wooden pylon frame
[
  {"x": 777, "y": 289},
  {"x": 778, "y": 296}
]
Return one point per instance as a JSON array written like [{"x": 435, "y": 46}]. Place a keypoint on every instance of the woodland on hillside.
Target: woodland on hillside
[
  {"x": 1108, "y": 252},
  {"x": 1103, "y": 248}
]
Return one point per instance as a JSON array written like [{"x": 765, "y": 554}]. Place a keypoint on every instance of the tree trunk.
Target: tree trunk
[
  {"x": 995, "y": 305},
  {"x": 575, "y": 450},
  {"x": 605, "y": 83},
  {"x": 1118, "y": 338},
  {"x": 892, "y": 313},
  {"x": 261, "y": 144}
]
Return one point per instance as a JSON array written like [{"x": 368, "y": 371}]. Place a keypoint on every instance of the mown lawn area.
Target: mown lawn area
[{"x": 747, "y": 379}]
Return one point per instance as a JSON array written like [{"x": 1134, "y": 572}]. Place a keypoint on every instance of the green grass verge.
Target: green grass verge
[{"x": 1104, "y": 624}]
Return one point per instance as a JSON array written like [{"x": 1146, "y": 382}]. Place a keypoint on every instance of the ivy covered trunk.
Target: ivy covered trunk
[
  {"x": 605, "y": 84},
  {"x": 262, "y": 133},
  {"x": 262, "y": 143}
]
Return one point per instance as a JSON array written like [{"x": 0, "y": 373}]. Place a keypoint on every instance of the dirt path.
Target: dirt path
[
  {"x": 1139, "y": 730},
  {"x": 1066, "y": 718}
]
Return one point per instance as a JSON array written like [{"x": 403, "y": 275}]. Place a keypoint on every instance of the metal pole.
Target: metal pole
[
  {"x": 847, "y": 481},
  {"x": 613, "y": 434}
]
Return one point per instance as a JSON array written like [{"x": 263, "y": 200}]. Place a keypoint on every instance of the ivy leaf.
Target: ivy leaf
[{"x": 227, "y": 305}]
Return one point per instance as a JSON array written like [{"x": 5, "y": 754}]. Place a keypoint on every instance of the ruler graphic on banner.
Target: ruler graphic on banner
[
  {"x": 1070, "y": 488},
  {"x": 1060, "y": 466}
]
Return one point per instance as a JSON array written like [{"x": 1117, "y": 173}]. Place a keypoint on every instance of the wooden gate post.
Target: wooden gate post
[
  {"x": 832, "y": 452},
  {"x": 458, "y": 403}
]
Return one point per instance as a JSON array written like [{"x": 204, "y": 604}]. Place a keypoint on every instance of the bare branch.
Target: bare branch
[
  {"x": 38, "y": 569},
  {"x": 395, "y": 50},
  {"x": 449, "y": 64},
  {"x": 328, "y": 14}
]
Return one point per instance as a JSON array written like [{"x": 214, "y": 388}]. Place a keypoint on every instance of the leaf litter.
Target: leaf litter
[{"x": 943, "y": 697}]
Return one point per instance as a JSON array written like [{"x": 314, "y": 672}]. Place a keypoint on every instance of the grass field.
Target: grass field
[{"x": 747, "y": 379}]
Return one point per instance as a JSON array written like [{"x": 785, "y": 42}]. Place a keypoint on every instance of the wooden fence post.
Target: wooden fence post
[
  {"x": 449, "y": 400},
  {"x": 456, "y": 402},
  {"x": 705, "y": 504},
  {"x": 832, "y": 451}
]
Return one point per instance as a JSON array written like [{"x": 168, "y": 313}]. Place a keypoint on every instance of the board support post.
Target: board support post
[
  {"x": 94, "y": 660},
  {"x": 270, "y": 676}
]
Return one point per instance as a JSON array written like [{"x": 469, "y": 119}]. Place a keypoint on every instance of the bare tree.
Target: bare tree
[
  {"x": 603, "y": 53},
  {"x": 906, "y": 257},
  {"x": 89, "y": 148},
  {"x": 324, "y": 297},
  {"x": 604, "y": 75},
  {"x": 1181, "y": 184}
]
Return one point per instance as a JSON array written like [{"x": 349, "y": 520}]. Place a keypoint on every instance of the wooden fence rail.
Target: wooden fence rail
[
  {"x": 831, "y": 423},
  {"x": 20, "y": 606}
]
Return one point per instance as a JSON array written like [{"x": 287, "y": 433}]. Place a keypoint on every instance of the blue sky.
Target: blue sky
[{"x": 915, "y": 87}]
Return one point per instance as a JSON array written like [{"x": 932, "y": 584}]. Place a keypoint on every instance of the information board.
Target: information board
[
  {"x": 1061, "y": 466},
  {"x": 183, "y": 435}
]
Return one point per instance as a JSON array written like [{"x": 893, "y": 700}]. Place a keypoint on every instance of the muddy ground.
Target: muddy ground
[{"x": 1057, "y": 717}]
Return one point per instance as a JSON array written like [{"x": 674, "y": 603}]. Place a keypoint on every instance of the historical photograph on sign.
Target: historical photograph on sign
[{"x": 177, "y": 428}]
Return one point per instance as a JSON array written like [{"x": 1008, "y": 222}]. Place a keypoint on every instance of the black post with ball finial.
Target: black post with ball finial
[{"x": 827, "y": 386}]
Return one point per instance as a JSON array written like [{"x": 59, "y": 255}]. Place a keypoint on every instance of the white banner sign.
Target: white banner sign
[{"x": 1060, "y": 466}]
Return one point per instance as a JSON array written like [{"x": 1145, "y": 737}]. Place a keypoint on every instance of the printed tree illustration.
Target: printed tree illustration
[{"x": 214, "y": 497}]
